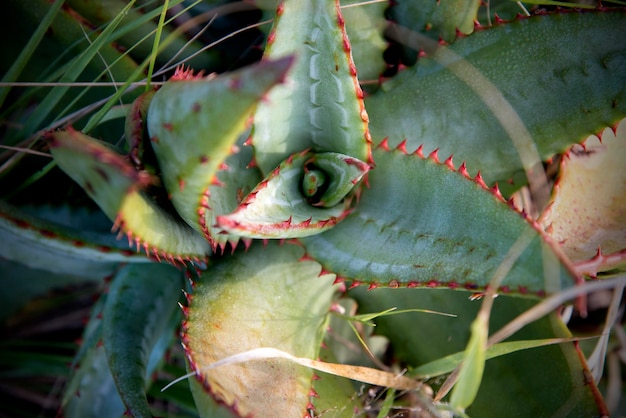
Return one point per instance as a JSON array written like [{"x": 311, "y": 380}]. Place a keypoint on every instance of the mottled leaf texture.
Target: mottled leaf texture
[
  {"x": 116, "y": 187},
  {"x": 138, "y": 312},
  {"x": 588, "y": 209},
  {"x": 194, "y": 126},
  {"x": 320, "y": 107},
  {"x": 267, "y": 297},
  {"x": 532, "y": 86},
  {"x": 408, "y": 230}
]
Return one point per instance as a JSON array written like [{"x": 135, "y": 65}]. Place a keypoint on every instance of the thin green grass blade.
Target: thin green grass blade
[
  {"x": 75, "y": 69},
  {"x": 18, "y": 65}
]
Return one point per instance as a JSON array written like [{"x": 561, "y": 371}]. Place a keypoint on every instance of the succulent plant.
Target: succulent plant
[{"x": 300, "y": 200}]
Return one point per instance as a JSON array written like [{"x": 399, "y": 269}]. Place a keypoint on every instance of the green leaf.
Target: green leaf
[
  {"x": 115, "y": 186},
  {"x": 448, "y": 363},
  {"x": 140, "y": 304},
  {"x": 267, "y": 297},
  {"x": 422, "y": 224},
  {"x": 52, "y": 247},
  {"x": 365, "y": 24},
  {"x": 548, "y": 379},
  {"x": 193, "y": 126},
  {"x": 95, "y": 392},
  {"x": 473, "y": 366},
  {"x": 306, "y": 194},
  {"x": 90, "y": 390},
  {"x": 448, "y": 102},
  {"x": 320, "y": 107},
  {"x": 434, "y": 19}
]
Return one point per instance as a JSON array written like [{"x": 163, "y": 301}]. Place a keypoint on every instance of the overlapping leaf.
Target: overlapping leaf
[
  {"x": 116, "y": 187},
  {"x": 305, "y": 195},
  {"x": 139, "y": 311},
  {"x": 468, "y": 99},
  {"x": 320, "y": 107},
  {"x": 267, "y": 297},
  {"x": 407, "y": 230},
  {"x": 588, "y": 208},
  {"x": 194, "y": 125}
]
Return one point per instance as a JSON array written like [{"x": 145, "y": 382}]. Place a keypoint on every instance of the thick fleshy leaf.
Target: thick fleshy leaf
[
  {"x": 305, "y": 195},
  {"x": 469, "y": 99},
  {"x": 421, "y": 223},
  {"x": 43, "y": 245},
  {"x": 320, "y": 107},
  {"x": 96, "y": 394},
  {"x": 588, "y": 209},
  {"x": 194, "y": 125},
  {"x": 435, "y": 19},
  {"x": 547, "y": 379},
  {"x": 148, "y": 294},
  {"x": 90, "y": 390},
  {"x": 365, "y": 24},
  {"x": 115, "y": 186},
  {"x": 267, "y": 297}
]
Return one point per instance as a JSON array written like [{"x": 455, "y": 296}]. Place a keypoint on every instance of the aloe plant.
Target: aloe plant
[{"x": 300, "y": 200}]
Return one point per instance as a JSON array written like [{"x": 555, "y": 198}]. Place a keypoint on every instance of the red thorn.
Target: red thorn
[
  {"x": 496, "y": 191},
  {"x": 463, "y": 170},
  {"x": 372, "y": 286},
  {"x": 479, "y": 180},
  {"x": 448, "y": 162},
  {"x": 355, "y": 283},
  {"x": 384, "y": 144},
  {"x": 434, "y": 155},
  {"x": 420, "y": 151},
  {"x": 402, "y": 147},
  {"x": 313, "y": 393}
]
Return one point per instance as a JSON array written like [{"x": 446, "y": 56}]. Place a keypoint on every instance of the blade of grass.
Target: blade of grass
[
  {"x": 18, "y": 65},
  {"x": 155, "y": 46},
  {"x": 74, "y": 70}
]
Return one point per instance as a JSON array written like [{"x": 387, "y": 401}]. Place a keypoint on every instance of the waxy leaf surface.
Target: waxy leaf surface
[
  {"x": 279, "y": 206},
  {"x": 115, "y": 186},
  {"x": 407, "y": 229},
  {"x": 320, "y": 106},
  {"x": 138, "y": 312},
  {"x": 266, "y": 297},
  {"x": 194, "y": 126},
  {"x": 468, "y": 99}
]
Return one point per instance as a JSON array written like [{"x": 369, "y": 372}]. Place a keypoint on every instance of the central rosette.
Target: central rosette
[{"x": 307, "y": 193}]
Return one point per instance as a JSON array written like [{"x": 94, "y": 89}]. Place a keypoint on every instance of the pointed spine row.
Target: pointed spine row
[
  {"x": 152, "y": 251},
  {"x": 448, "y": 162},
  {"x": 194, "y": 367},
  {"x": 600, "y": 262},
  {"x": 55, "y": 235},
  {"x": 357, "y": 86}
]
